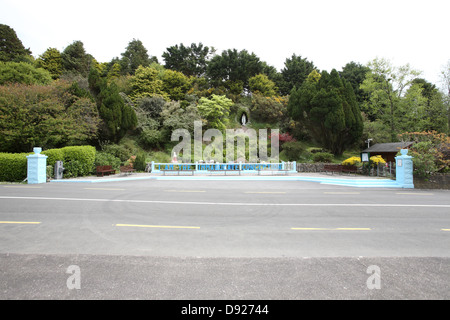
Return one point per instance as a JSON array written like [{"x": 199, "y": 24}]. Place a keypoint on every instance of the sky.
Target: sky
[{"x": 330, "y": 33}]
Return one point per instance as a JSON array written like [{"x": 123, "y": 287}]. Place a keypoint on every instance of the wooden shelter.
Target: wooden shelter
[{"x": 388, "y": 150}]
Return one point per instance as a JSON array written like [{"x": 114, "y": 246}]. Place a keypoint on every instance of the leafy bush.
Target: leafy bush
[
  {"x": 431, "y": 151},
  {"x": 424, "y": 158},
  {"x": 293, "y": 150},
  {"x": 83, "y": 158},
  {"x": 352, "y": 161},
  {"x": 53, "y": 155},
  {"x": 375, "y": 160},
  {"x": 13, "y": 166},
  {"x": 160, "y": 157},
  {"x": 323, "y": 157},
  {"x": 269, "y": 109},
  {"x": 73, "y": 168},
  {"x": 22, "y": 72},
  {"x": 46, "y": 116},
  {"x": 140, "y": 163},
  {"x": 50, "y": 172},
  {"x": 316, "y": 150},
  {"x": 215, "y": 110},
  {"x": 283, "y": 137},
  {"x": 106, "y": 159},
  {"x": 151, "y": 138}
]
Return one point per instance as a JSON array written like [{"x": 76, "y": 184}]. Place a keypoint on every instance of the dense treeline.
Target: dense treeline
[{"x": 69, "y": 98}]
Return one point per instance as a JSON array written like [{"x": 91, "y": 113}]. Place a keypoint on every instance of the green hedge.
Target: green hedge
[
  {"x": 106, "y": 159},
  {"x": 13, "y": 166},
  {"x": 83, "y": 158},
  {"x": 78, "y": 161},
  {"x": 53, "y": 156}
]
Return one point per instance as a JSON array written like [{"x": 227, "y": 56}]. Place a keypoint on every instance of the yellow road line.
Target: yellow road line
[
  {"x": 184, "y": 190},
  {"x": 25, "y": 187},
  {"x": 266, "y": 192},
  {"x": 103, "y": 189},
  {"x": 342, "y": 193},
  {"x": 331, "y": 229},
  {"x": 414, "y": 193},
  {"x": 20, "y": 222},
  {"x": 153, "y": 226},
  {"x": 445, "y": 229}
]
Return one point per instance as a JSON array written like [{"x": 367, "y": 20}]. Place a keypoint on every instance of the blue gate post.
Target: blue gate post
[
  {"x": 37, "y": 167},
  {"x": 404, "y": 169}
]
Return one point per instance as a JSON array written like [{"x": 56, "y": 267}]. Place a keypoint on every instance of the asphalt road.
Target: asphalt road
[{"x": 223, "y": 240}]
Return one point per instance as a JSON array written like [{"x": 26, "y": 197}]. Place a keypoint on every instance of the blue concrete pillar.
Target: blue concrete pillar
[
  {"x": 36, "y": 167},
  {"x": 404, "y": 169}
]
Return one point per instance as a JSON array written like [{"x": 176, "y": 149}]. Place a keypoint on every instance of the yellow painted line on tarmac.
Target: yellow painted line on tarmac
[
  {"x": 265, "y": 192},
  {"x": 19, "y": 222},
  {"x": 185, "y": 191},
  {"x": 342, "y": 192},
  {"x": 445, "y": 229},
  {"x": 415, "y": 193},
  {"x": 332, "y": 229},
  {"x": 108, "y": 189},
  {"x": 24, "y": 187},
  {"x": 154, "y": 226}
]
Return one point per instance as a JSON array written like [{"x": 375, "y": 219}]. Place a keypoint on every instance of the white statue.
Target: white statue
[{"x": 243, "y": 119}]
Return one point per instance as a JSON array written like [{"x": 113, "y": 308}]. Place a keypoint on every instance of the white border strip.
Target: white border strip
[{"x": 238, "y": 203}]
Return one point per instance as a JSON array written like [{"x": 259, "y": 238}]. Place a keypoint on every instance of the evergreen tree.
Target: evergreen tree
[
  {"x": 75, "y": 59},
  {"x": 191, "y": 60},
  {"x": 117, "y": 117},
  {"x": 51, "y": 60},
  {"x": 135, "y": 55},
  {"x": 328, "y": 108},
  {"x": 233, "y": 68},
  {"x": 355, "y": 73},
  {"x": 11, "y": 48},
  {"x": 295, "y": 71}
]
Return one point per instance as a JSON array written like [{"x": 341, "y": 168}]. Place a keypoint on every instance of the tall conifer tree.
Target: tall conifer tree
[{"x": 328, "y": 109}]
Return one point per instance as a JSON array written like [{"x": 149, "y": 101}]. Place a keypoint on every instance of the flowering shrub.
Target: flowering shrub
[
  {"x": 351, "y": 161},
  {"x": 431, "y": 151},
  {"x": 283, "y": 137},
  {"x": 377, "y": 160}
]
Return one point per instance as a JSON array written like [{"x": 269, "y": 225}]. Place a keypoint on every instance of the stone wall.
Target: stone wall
[
  {"x": 435, "y": 181},
  {"x": 310, "y": 167}
]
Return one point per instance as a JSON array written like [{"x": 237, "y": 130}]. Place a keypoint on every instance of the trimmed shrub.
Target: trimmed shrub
[
  {"x": 53, "y": 156},
  {"x": 84, "y": 157},
  {"x": 72, "y": 169},
  {"x": 13, "y": 166},
  {"x": 78, "y": 161},
  {"x": 323, "y": 157},
  {"x": 106, "y": 159}
]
